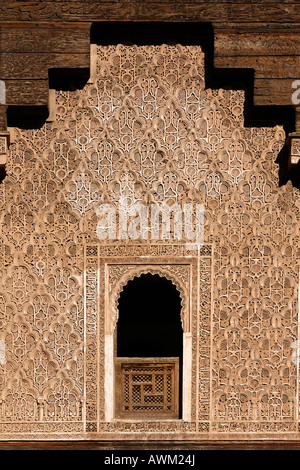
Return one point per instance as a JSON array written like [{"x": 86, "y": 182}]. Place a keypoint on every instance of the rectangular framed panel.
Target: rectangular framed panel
[{"x": 147, "y": 387}]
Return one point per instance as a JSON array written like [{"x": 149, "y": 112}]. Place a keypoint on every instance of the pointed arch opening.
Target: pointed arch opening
[
  {"x": 149, "y": 323},
  {"x": 149, "y": 349}
]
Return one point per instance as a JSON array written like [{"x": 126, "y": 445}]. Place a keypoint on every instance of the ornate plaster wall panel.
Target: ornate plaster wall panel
[
  {"x": 145, "y": 129},
  {"x": 115, "y": 267}
]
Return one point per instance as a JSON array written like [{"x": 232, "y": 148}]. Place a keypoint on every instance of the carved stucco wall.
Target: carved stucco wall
[{"x": 146, "y": 128}]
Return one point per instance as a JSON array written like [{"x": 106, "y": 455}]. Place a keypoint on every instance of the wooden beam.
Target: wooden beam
[
  {"x": 264, "y": 66},
  {"x": 45, "y": 38},
  {"x": 152, "y": 445},
  {"x": 256, "y": 43},
  {"x": 273, "y": 91},
  {"x": 31, "y": 66},
  {"x": 226, "y": 13},
  {"x": 27, "y": 92}
]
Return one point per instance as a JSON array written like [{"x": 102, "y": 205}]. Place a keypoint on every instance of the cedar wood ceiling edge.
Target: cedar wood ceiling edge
[{"x": 145, "y": 445}]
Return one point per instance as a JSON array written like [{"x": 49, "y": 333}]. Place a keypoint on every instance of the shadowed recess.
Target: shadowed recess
[{"x": 149, "y": 322}]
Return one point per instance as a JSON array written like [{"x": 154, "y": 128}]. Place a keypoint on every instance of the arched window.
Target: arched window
[{"x": 148, "y": 349}]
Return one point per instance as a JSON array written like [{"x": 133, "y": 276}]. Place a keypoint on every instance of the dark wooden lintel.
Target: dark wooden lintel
[{"x": 152, "y": 445}]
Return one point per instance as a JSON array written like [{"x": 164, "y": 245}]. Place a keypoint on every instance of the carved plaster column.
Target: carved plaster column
[
  {"x": 4, "y": 144},
  {"x": 294, "y": 142}
]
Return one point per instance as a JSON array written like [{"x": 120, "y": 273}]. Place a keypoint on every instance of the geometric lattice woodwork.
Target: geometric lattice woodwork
[{"x": 147, "y": 387}]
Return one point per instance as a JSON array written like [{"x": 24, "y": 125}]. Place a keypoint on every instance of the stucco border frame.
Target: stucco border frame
[
  {"x": 126, "y": 271},
  {"x": 107, "y": 269}
]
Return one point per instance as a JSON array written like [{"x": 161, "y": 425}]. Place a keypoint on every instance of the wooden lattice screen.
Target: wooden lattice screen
[{"x": 147, "y": 387}]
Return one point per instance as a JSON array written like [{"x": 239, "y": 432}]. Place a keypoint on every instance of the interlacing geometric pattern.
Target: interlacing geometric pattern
[
  {"x": 148, "y": 387},
  {"x": 145, "y": 129}
]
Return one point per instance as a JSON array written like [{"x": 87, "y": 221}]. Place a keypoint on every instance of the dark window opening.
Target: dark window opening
[{"x": 149, "y": 324}]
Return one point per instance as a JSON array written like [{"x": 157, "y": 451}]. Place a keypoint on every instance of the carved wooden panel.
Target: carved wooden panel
[
  {"x": 145, "y": 128},
  {"x": 147, "y": 387}
]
